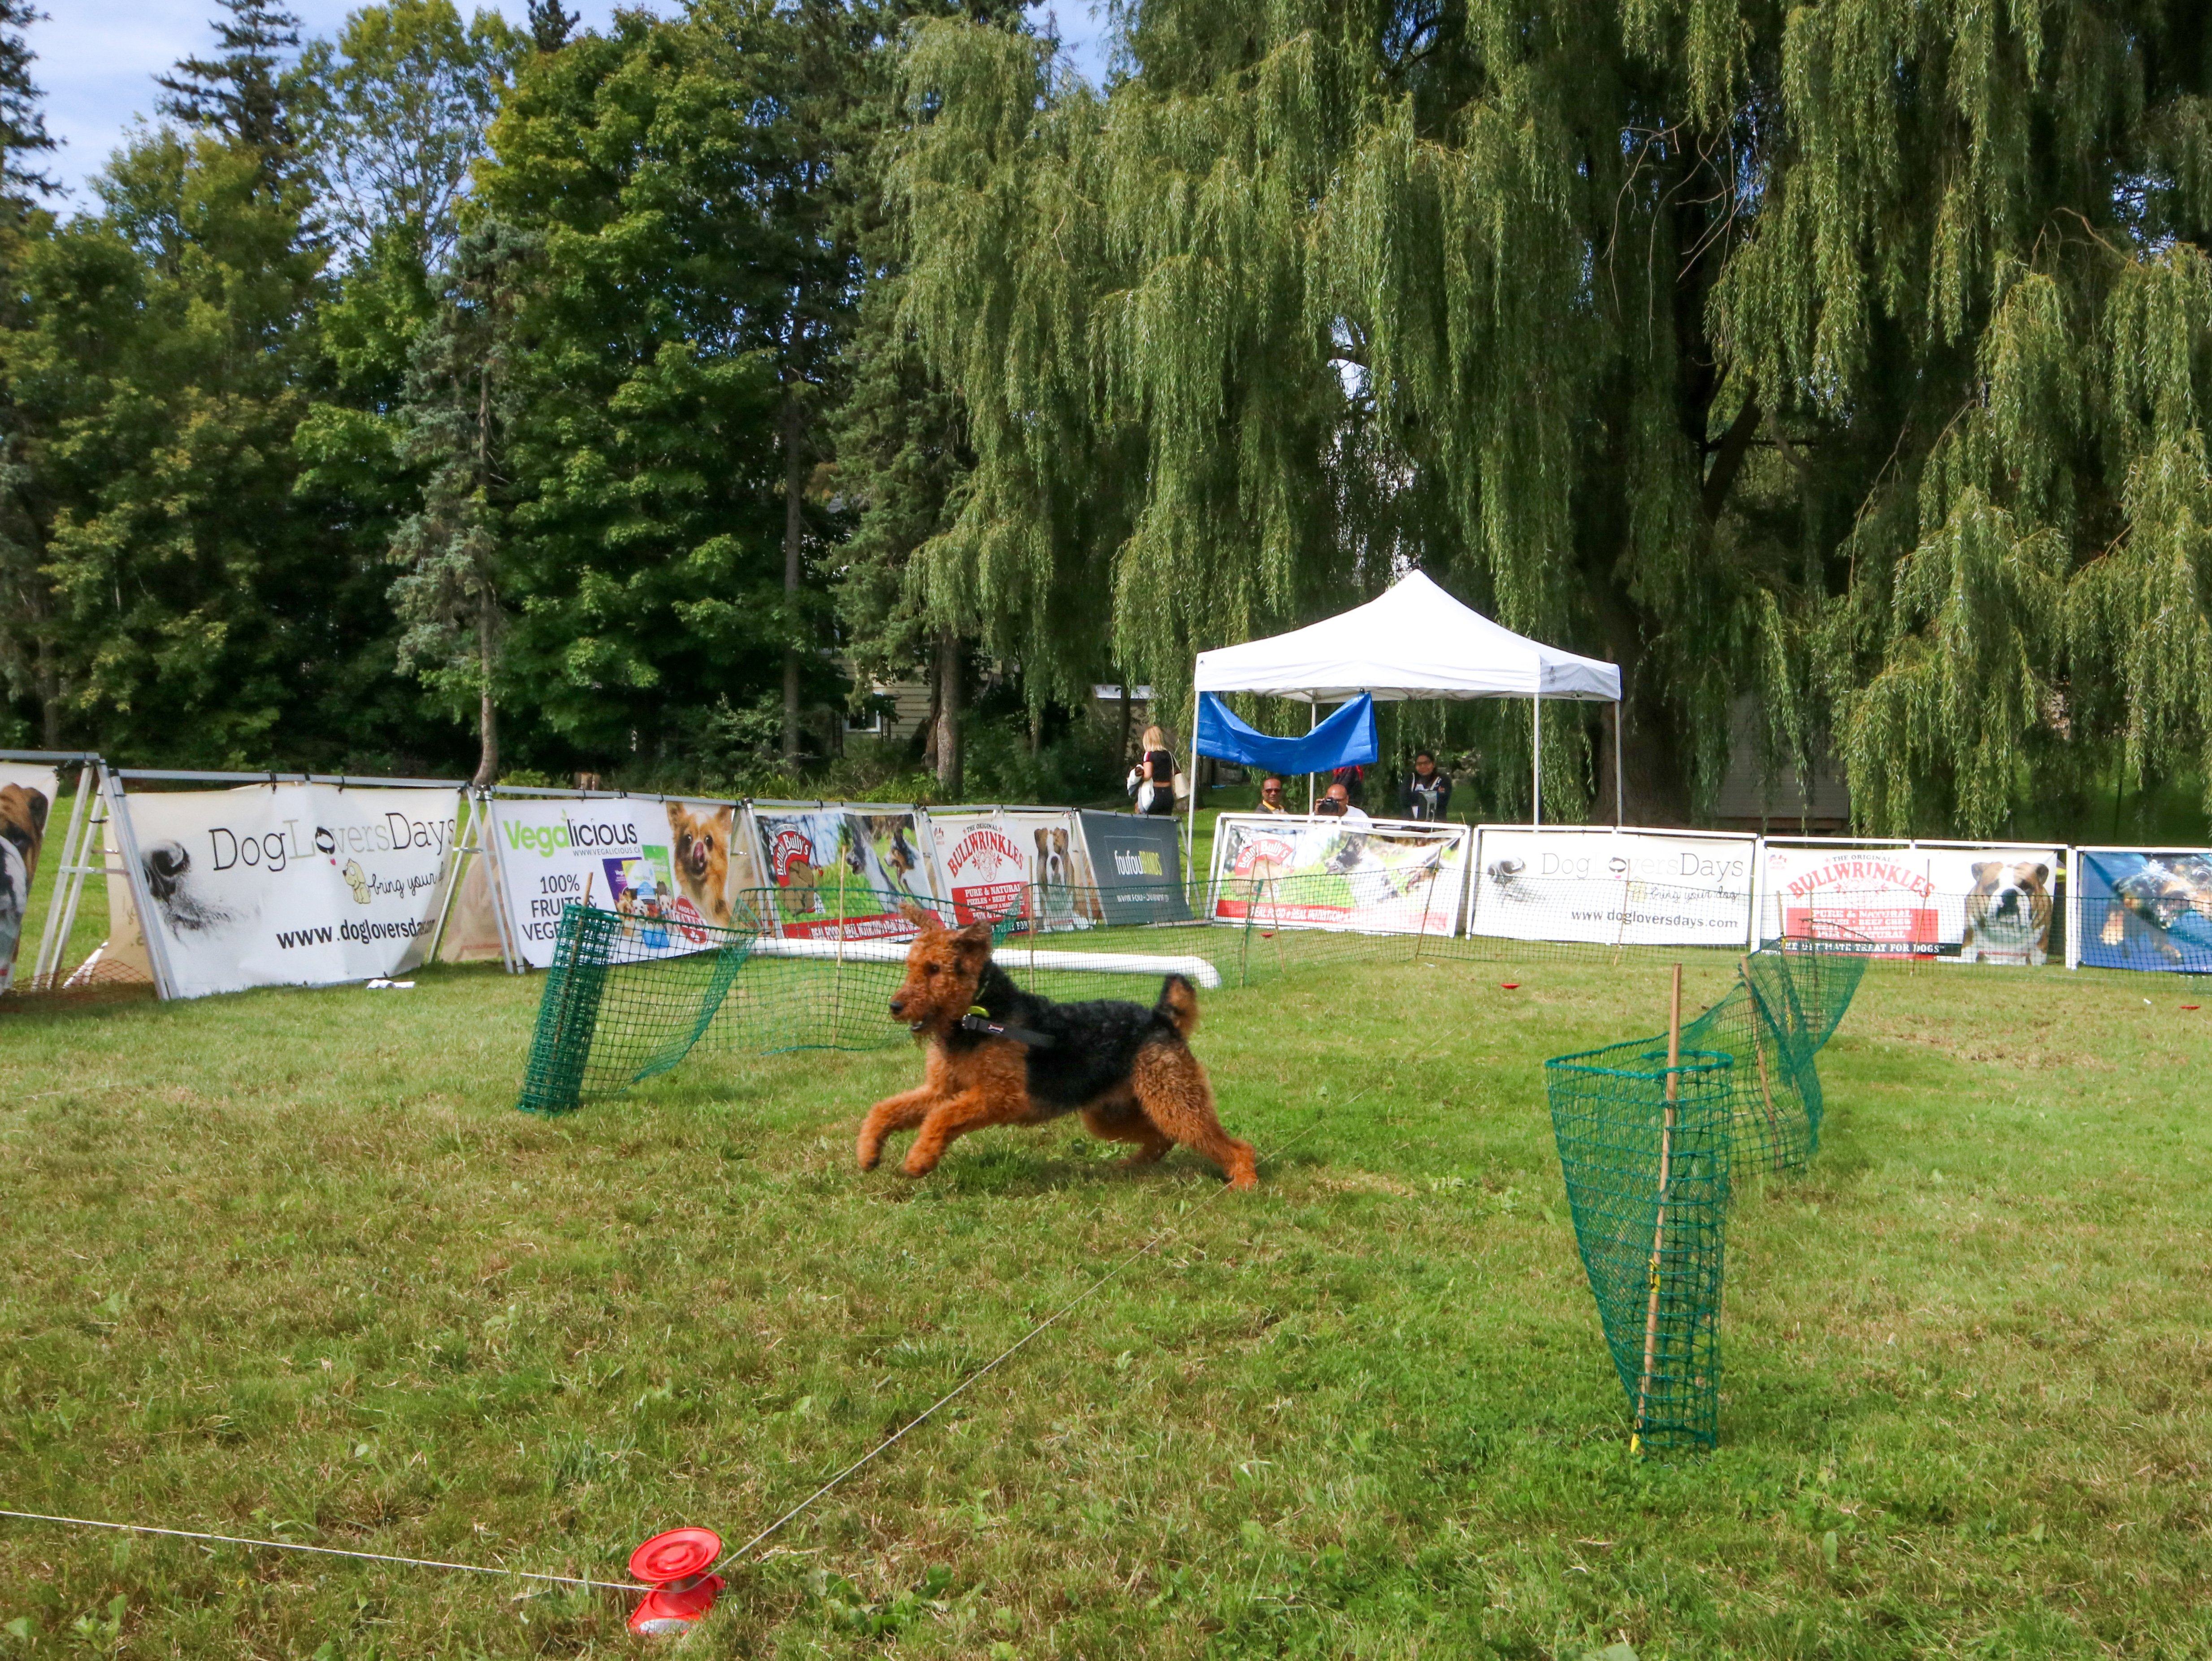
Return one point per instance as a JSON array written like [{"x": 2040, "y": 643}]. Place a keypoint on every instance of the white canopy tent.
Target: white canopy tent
[{"x": 1417, "y": 642}]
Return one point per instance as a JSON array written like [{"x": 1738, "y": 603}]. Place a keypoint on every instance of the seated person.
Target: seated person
[
  {"x": 1427, "y": 792},
  {"x": 1270, "y": 795}
]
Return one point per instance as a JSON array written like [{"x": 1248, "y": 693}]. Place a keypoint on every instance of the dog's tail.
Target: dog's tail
[{"x": 1178, "y": 1004}]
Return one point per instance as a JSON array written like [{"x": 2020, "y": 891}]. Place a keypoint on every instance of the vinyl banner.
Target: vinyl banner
[
  {"x": 1011, "y": 861},
  {"x": 1988, "y": 903},
  {"x": 2140, "y": 908},
  {"x": 1136, "y": 866},
  {"x": 1386, "y": 876},
  {"x": 28, "y": 794},
  {"x": 1614, "y": 887},
  {"x": 839, "y": 870},
  {"x": 677, "y": 863},
  {"x": 290, "y": 885}
]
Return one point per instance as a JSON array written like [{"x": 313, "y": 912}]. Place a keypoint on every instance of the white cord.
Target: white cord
[{"x": 325, "y": 1551}]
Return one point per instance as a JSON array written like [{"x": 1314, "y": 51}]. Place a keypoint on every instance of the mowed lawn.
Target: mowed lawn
[{"x": 287, "y": 1263}]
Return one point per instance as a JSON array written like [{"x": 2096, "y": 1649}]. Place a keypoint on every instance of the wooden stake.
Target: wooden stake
[{"x": 1659, "y": 1229}]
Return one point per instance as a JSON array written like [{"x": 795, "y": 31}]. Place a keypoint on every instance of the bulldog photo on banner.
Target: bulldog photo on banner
[
  {"x": 1977, "y": 902},
  {"x": 1014, "y": 862},
  {"x": 838, "y": 870},
  {"x": 290, "y": 885},
  {"x": 1609, "y": 887},
  {"x": 28, "y": 794},
  {"x": 674, "y": 864},
  {"x": 1384, "y": 876}
]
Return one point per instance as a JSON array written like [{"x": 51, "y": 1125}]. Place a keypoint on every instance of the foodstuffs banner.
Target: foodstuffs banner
[
  {"x": 1383, "y": 877},
  {"x": 288, "y": 885},
  {"x": 674, "y": 864},
  {"x": 1614, "y": 887},
  {"x": 1978, "y": 901},
  {"x": 843, "y": 870},
  {"x": 28, "y": 791},
  {"x": 1136, "y": 866},
  {"x": 2142, "y": 908},
  {"x": 1013, "y": 862}
]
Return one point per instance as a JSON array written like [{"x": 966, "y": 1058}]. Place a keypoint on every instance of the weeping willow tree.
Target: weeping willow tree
[{"x": 1848, "y": 355}]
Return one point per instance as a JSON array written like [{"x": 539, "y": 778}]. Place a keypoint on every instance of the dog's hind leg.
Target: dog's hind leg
[
  {"x": 1172, "y": 1089},
  {"x": 900, "y": 1112},
  {"x": 1125, "y": 1122}
]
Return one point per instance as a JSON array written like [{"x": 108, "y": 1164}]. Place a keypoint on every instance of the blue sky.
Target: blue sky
[{"x": 97, "y": 59}]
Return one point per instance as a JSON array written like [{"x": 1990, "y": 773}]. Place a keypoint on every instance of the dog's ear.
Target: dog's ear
[
  {"x": 919, "y": 916},
  {"x": 1984, "y": 869},
  {"x": 974, "y": 941},
  {"x": 2042, "y": 874}
]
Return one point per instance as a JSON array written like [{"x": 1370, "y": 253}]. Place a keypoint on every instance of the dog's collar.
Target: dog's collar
[{"x": 978, "y": 1020}]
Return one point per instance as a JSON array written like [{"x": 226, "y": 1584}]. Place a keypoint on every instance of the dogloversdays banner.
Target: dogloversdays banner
[
  {"x": 27, "y": 795},
  {"x": 672, "y": 865},
  {"x": 1012, "y": 863},
  {"x": 843, "y": 870},
  {"x": 1383, "y": 877},
  {"x": 1985, "y": 903},
  {"x": 1614, "y": 887},
  {"x": 290, "y": 885},
  {"x": 2143, "y": 908}
]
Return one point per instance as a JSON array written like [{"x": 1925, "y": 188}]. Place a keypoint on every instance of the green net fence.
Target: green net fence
[{"x": 1649, "y": 1152}]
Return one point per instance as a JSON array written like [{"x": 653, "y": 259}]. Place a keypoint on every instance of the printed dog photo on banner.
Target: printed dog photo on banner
[
  {"x": 1010, "y": 862},
  {"x": 27, "y": 798},
  {"x": 1965, "y": 903},
  {"x": 834, "y": 871},
  {"x": 713, "y": 866},
  {"x": 1383, "y": 877},
  {"x": 2146, "y": 909}
]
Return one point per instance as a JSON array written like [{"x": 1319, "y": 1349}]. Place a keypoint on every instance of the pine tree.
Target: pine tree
[
  {"x": 29, "y": 661},
  {"x": 245, "y": 94},
  {"x": 460, "y": 408}
]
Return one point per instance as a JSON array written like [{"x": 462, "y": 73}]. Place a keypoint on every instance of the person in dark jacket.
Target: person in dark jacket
[{"x": 1426, "y": 794}]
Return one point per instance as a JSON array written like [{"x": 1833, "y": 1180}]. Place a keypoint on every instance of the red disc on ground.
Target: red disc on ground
[
  {"x": 676, "y": 1555},
  {"x": 2189, "y": 1005},
  {"x": 1509, "y": 986}
]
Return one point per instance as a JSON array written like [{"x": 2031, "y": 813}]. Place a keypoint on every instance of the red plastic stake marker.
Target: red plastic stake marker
[{"x": 674, "y": 1564}]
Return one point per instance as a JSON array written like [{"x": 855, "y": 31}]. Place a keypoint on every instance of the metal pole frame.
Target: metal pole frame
[
  {"x": 1536, "y": 756},
  {"x": 63, "y": 898},
  {"x": 134, "y": 874}
]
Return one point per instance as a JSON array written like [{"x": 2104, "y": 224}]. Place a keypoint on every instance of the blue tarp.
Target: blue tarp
[{"x": 1346, "y": 739}]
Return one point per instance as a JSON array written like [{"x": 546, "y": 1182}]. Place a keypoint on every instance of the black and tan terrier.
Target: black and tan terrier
[{"x": 1022, "y": 1060}]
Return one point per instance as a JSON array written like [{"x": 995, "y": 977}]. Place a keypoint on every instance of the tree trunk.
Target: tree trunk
[
  {"x": 794, "y": 524},
  {"x": 1127, "y": 714},
  {"x": 948, "y": 713},
  {"x": 486, "y": 712}
]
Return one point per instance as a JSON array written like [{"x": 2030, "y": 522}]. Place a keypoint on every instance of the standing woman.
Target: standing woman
[{"x": 1151, "y": 781}]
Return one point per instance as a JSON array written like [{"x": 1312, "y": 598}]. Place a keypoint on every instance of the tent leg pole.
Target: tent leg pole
[
  {"x": 1619, "y": 795},
  {"x": 1536, "y": 760},
  {"x": 1313, "y": 720}
]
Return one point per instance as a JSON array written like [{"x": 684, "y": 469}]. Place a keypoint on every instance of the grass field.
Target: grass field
[{"x": 286, "y": 1263}]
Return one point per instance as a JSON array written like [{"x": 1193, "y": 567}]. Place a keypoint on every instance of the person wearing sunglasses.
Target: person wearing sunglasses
[{"x": 1270, "y": 795}]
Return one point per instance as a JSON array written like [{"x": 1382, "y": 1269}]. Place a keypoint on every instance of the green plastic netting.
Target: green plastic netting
[{"x": 1649, "y": 1153}]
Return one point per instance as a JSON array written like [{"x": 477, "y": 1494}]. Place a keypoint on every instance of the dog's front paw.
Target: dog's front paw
[{"x": 871, "y": 1151}]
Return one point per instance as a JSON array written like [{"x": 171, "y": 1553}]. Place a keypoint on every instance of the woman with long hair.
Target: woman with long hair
[{"x": 1152, "y": 783}]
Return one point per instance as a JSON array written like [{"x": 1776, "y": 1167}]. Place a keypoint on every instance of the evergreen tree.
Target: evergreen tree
[
  {"x": 246, "y": 94},
  {"x": 460, "y": 408},
  {"x": 29, "y": 662},
  {"x": 1847, "y": 355}
]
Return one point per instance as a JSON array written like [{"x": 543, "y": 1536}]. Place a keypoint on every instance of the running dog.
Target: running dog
[
  {"x": 999, "y": 1055},
  {"x": 2008, "y": 914}
]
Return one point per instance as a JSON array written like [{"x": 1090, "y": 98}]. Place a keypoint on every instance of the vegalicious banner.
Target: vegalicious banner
[
  {"x": 1383, "y": 877},
  {"x": 1980, "y": 903},
  {"x": 843, "y": 870},
  {"x": 289, "y": 884},
  {"x": 1136, "y": 866},
  {"x": 2143, "y": 908},
  {"x": 676, "y": 865},
  {"x": 1610, "y": 887},
  {"x": 1011, "y": 863},
  {"x": 27, "y": 795}
]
